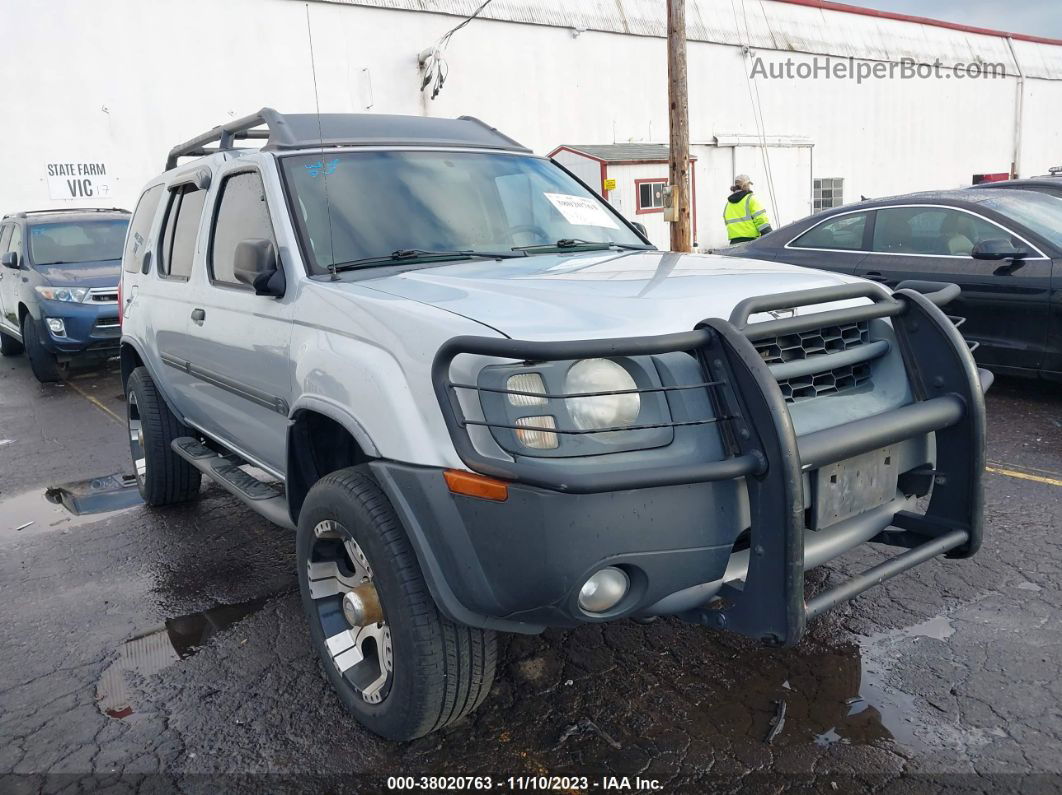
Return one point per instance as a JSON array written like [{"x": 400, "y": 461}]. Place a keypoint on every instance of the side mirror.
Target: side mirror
[
  {"x": 9, "y": 260},
  {"x": 997, "y": 249},
  {"x": 255, "y": 263},
  {"x": 641, "y": 228}
]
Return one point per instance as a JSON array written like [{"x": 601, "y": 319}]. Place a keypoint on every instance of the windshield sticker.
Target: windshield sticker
[
  {"x": 319, "y": 168},
  {"x": 581, "y": 211}
]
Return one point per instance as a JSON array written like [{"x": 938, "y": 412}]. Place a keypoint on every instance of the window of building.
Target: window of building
[
  {"x": 650, "y": 194},
  {"x": 845, "y": 232},
  {"x": 181, "y": 231},
  {"x": 140, "y": 228},
  {"x": 242, "y": 215},
  {"x": 829, "y": 192},
  {"x": 931, "y": 230}
]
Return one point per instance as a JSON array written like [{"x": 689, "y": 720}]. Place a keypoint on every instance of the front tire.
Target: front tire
[
  {"x": 413, "y": 672},
  {"x": 42, "y": 362},
  {"x": 163, "y": 476}
]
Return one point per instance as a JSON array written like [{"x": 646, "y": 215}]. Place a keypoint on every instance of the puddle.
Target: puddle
[
  {"x": 160, "y": 648},
  {"x": 68, "y": 505},
  {"x": 843, "y": 695}
]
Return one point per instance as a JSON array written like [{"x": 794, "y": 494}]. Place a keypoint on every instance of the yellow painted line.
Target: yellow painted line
[
  {"x": 1032, "y": 470},
  {"x": 1012, "y": 473},
  {"x": 96, "y": 403}
]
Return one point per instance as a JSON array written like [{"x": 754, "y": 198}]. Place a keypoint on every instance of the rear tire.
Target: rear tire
[
  {"x": 429, "y": 672},
  {"x": 9, "y": 346},
  {"x": 163, "y": 476},
  {"x": 43, "y": 363}
]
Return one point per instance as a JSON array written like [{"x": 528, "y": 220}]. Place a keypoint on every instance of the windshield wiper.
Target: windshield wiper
[
  {"x": 416, "y": 254},
  {"x": 574, "y": 242}
]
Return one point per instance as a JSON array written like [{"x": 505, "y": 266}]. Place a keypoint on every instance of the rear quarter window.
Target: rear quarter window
[{"x": 136, "y": 241}]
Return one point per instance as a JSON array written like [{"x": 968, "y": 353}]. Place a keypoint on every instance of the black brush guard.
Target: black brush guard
[{"x": 765, "y": 451}]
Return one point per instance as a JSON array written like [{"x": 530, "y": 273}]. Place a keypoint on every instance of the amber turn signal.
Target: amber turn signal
[{"x": 472, "y": 485}]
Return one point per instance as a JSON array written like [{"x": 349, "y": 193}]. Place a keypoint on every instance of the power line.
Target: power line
[{"x": 432, "y": 61}]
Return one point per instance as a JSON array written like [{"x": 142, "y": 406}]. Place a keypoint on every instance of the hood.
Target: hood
[
  {"x": 599, "y": 294},
  {"x": 82, "y": 274},
  {"x": 738, "y": 195}
]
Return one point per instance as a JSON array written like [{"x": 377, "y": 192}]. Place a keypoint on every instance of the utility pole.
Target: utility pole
[{"x": 679, "y": 127}]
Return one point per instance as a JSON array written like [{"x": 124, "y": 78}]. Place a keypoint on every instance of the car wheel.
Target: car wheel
[
  {"x": 42, "y": 362},
  {"x": 403, "y": 669},
  {"x": 9, "y": 346},
  {"x": 162, "y": 475}
]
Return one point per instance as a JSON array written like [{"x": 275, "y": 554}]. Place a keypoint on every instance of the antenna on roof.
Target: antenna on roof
[{"x": 320, "y": 133}]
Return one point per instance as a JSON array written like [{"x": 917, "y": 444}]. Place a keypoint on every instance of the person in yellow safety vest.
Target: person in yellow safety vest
[{"x": 745, "y": 217}]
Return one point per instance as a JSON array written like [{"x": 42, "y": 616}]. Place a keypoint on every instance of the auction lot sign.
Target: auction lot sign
[{"x": 78, "y": 180}]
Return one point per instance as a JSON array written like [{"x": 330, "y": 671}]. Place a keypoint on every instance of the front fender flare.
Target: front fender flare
[{"x": 339, "y": 413}]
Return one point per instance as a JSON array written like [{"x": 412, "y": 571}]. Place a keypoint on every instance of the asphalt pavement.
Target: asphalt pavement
[{"x": 150, "y": 650}]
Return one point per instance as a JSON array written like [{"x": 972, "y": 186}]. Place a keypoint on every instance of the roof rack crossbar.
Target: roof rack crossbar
[
  {"x": 226, "y": 134},
  {"x": 305, "y": 131}
]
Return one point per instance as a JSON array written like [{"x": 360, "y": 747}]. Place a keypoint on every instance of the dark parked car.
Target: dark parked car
[
  {"x": 1002, "y": 247},
  {"x": 1051, "y": 184},
  {"x": 59, "y": 286}
]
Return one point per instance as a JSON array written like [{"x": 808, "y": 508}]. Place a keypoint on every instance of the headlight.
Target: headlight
[
  {"x": 73, "y": 295},
  {"x": 602, "y": 411}
]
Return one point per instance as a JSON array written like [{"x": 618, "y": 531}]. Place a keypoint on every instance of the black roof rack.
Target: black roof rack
[
  {"x": 24, "y": 213},
  {"x": 306, "y": 130}
]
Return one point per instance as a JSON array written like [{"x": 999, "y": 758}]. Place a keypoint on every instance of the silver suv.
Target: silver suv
[{"x": 485, "y": 403}]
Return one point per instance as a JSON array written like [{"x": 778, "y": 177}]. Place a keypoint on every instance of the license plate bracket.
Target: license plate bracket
[{"x": 852, "y": 486}]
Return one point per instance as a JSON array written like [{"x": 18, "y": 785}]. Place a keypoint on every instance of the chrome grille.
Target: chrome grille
[{"x": 814, "y": 343}]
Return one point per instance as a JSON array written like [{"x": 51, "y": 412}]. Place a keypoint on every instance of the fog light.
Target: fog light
[
  {"x": 529, "y": 435},
  {"x": 604, "y": 590},
  {"x": 56, "y": 326}
]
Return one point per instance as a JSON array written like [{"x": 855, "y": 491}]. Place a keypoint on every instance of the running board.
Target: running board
[{"x": 264, "y": 498}]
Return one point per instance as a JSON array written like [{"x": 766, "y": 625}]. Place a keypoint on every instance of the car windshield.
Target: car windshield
[
  {"x": 354, "y": 205},
  {"x": 1037, "y": 211},
  {"x": 77, "y": 241}
]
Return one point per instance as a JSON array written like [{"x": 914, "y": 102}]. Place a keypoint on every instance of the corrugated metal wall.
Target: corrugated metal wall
[{"x": 762, "y": 24}]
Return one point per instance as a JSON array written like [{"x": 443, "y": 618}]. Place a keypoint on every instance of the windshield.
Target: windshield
[
  {"x": 77, "y": 241},
  {"x": 354, "y": 205},
  {"x": 1038, "y": 211}
]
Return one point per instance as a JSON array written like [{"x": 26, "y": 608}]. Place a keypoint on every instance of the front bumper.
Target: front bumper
[
  {"x": 91, "y": 329},
  {"x": 519, "y": 564}
]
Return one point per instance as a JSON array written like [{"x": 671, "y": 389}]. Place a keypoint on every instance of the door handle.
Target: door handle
[
  {"x": 874, "y": 276},
  {"x": 198, "y": 316}
]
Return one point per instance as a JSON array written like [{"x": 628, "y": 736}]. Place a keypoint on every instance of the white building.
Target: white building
[{"x": 109, "y": 86}]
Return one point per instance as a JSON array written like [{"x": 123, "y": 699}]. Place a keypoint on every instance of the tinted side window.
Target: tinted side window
[
  {"x": 139, "y": 228},
  {"x": 931, "y": 230},
  {"x": 5, "y": 237},
  {"x": 242, "y": 214},
  {"x": 182, "y": 227},
  {"x": 843, "y": 232}
]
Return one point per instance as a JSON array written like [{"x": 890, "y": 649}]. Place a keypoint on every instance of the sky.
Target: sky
[{"x": 1034, "y": 17}]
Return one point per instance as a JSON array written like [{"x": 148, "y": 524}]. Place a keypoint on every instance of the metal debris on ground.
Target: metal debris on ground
[
  {"x": 777, "y": 722},
  {"x": 585, "y": 726}
]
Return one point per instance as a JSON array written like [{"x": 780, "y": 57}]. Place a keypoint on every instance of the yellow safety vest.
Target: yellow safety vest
[{"x": 745, "y": 218}]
